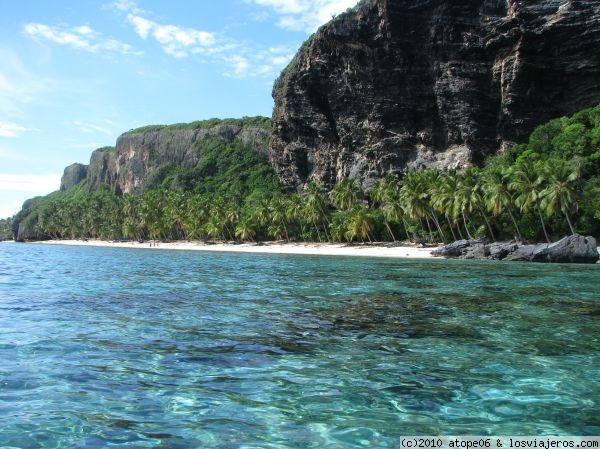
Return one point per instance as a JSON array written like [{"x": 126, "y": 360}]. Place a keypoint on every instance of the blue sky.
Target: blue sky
[{"x": 75, "y": 75}]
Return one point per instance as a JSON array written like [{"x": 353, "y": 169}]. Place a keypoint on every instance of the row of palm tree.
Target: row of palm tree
[{"x": 428, "y": 205}]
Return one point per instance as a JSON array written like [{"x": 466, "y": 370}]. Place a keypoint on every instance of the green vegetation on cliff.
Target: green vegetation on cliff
[
  {"x": 5, "y": 229},
  {"x": 257, "y": 121},
  {"x": 224, "y": 168},
  {"x": 541, "y": 190}
]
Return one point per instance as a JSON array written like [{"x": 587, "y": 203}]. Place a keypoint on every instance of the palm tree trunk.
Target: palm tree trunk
[
  {"x": 512, "y": 217},
  {"x": 437, "y": 224},
  {"x": 570, "y": 224},
  {"x": 487, "y": 222},
  {"x": 317, "y": 228},
  {"x": 287, "y": 237},
  {"x": 465, "y": 224},
  {"x": 429, "y": 227},
  {"x": 387, "y": 225},
  {"x": 462, "y": 237},
  {"x": 543, "y": 224},
  {"x": 406, "y": 229},
  {"x": 451, "y": 229},
  {"x": 325, "y": 230}
]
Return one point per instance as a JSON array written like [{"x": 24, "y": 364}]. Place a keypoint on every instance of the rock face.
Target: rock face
[
  {"x": 572, "y": 249},
  {"x": 397, "y": 84},
  {"x": 23, "y": 226},
  {"x": 140, "y": 154},
  {"x": 73, "y": 175}
]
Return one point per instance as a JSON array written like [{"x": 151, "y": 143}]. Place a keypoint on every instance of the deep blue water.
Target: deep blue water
[{"x": 105, "y": 347}]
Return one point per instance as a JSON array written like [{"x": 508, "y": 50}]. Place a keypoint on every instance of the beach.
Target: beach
[{"x": 398, "y": 250}]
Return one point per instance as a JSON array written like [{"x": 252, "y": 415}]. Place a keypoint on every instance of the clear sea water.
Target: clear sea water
[{"x": 104, "y": 347}]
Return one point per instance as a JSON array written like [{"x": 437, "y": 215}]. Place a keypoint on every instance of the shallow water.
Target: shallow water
[{"x": 105, "y": 347}]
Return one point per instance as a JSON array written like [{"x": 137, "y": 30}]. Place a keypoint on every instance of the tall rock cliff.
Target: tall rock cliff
[
  {"x": 140, "y": 156},
  {"x": 397, "y": 84}
]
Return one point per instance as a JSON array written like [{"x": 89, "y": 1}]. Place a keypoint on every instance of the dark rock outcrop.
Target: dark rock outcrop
[
  {"x": 139, "y": 155},
  {"x": 24, "y": 224},
  {"x": 395, "y": 84},
  {"x": 102, "y": 169},
  {"x": 73, "y": 175},
  {"x": 572, "y": 249},
  {"x": 457, "y": 249}
]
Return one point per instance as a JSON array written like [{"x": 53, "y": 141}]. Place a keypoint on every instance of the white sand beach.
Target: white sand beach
[{"x": 407, "y": 250}]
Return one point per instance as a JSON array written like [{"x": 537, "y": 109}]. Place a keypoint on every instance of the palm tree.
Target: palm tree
[
  {"x": 360, "y": 224},
  {"x": 316, "y": 208},
  {"x": 215, "y": 227},
  {"x": 230, "y": 215},
  {"x": 293, "y": 212},
  {"x": 196, "y": 213},
  {"x": 346, "y": 194},
  {"x": 277, "y": 212},
  {"x": 526, "y": 183},
  {"x": 432, "y": 179},
  {"x": 385, "y": 193},
  {"x": 446, "y": 200},
  {"x": 498, "y": 196},
  {"x": 259, "y": 214},
  {"x": 175, "y": 212},
  {"x": 560, "y": 192},
  {"x": 132, "y": 221},
  {"x": 339, "y": 225},
  {"x": 245, "y": 229},
  {"x": 414, "y": 198},
  {"x": 471, "y": 196}
]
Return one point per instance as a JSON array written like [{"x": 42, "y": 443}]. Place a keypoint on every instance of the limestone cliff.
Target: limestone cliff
[
  {"x": 140, "y": 155},
  {"x": 395, "y": 84},
  {"x": 73, "y": 175}
]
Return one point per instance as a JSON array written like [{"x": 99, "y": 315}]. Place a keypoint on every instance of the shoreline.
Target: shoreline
[{"x": 405, "y": 251}]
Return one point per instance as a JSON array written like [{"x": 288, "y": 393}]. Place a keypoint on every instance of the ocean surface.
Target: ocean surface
[{"x": 103, "y": 347}]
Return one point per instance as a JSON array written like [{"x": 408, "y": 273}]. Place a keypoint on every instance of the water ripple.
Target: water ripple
[{"x": 181, "y": 350}]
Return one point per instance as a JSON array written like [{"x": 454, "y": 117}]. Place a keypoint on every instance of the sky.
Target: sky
[{"x": 76, "y": 75}]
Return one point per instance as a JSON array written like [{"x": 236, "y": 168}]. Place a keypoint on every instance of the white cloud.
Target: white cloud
[
  {"x": 305, "y": 15},
  {"x": 18, "y": 84},
  {"x": 8, "y": 129},
  {"x": 36, "y": 184},
  {"x": 80, "y": 37},
  {"x": 174, "y": 40},
  {"x": 257, "y": 62},
  {"x": 90, "y": 128},
  {"x": 241, "y": 59},
  {"x": 126, "y": 6}
]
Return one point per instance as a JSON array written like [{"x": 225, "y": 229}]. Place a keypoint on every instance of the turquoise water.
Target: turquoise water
[{"x": 104, "y": 347}]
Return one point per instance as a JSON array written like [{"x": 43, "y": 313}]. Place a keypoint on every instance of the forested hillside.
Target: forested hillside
[{"x": 537, "y": 191}]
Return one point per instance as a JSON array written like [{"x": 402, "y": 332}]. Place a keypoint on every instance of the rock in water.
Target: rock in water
[
  {"x": 456, "y": 249},
  {"x": 395, "y": 84},
  {"x": 574, "y": 248}
]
